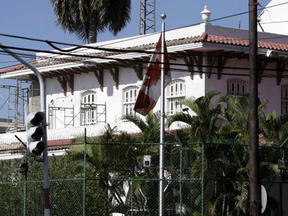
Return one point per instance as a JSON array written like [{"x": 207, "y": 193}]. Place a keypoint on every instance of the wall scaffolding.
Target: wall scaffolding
[
  {"x": 12, "y": 101},
  {"x": 89, "y": 114}
]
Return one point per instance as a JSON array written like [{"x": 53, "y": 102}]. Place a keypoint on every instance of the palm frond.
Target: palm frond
[
  {"x": 86, "y": 18},
  {"x": 135, "y": 119}
]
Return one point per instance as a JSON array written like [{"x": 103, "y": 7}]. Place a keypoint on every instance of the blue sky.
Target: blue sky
[{"x": 36, "y": 19}]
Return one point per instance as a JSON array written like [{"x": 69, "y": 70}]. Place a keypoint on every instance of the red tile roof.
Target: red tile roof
[
  {"x": 17, "y": 67},
  {"x": 241, "y": 42},
  {"x": 223, "y": 40},
  {"x": 204, "y": 38}
]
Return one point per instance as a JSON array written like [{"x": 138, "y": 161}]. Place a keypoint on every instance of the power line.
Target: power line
[
  {"x": 65, "y": 60},
  {"x": 180, "y": 69},
  {"x": 90, "y": 47},
  {"x": 106, "y": 58},
  {"x": 66, "y": 52},
  {"x": 274, "y": 22},
  {"x": 25, "y": 55},
  {"x": 77, "y": 46}
]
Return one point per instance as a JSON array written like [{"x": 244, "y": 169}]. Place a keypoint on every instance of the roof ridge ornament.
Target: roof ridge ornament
[{"x": 205, "y": 14}]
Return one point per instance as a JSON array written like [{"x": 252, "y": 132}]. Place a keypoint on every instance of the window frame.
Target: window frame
[
  {"x": 175, "y": 92},
  {"x": 237, "y": 87},
  {"x": 284, "y": 99},
  {"x": 129, "y": 97},
  {"x": 88, "y": 108}
]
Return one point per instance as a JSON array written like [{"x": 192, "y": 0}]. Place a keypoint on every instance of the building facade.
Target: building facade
[{"x": 92, "y": 85}]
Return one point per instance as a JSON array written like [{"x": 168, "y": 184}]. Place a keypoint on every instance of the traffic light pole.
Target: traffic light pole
[{"x": 44, "y": 138}]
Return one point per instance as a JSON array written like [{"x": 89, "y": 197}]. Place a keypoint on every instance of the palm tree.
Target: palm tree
[
  {"x": 150, "y": 128},
  {"x": 222, "y": 162},
  {"x": 276, "y": 127},
  {"x": 203, "y": 123},
  {"x": 236, "y": 116},
  {"x": 106, "y": 159},
  {"x": 147, "y": 189},
  {"x": 89, "y": 17}
]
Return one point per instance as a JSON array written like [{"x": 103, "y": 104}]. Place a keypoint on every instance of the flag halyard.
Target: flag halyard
[{"x": 151, "y": 87}]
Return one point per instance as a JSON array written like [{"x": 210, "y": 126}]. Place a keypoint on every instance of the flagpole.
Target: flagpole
[{"x": 162, "y": 110}]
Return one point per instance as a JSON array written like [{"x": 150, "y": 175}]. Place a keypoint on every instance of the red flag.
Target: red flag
[{"x": 151, "y": 87}]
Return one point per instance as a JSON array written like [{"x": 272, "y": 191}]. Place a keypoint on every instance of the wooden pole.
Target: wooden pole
[{"x": 255, "y": 201}]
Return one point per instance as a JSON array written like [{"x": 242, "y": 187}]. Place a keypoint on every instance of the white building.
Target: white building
[
  {"x": 98, "y": 83},
  {"x": 273, "y": 18}
]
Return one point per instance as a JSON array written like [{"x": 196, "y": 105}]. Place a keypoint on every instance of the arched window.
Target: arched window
[
  {"x": 175, "y": 91},
  {"x": 129, "y": 99},
  {"x": 237, "y": 87},
  {"x": 88, "y": 108},
  {"x": 284, "y": 99}
]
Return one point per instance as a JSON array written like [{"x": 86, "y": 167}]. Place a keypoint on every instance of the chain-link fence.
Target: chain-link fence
[{"x": 88, "y": 178}]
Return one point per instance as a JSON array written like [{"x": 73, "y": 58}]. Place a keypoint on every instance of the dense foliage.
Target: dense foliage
[{"x": 206, "y": 167}]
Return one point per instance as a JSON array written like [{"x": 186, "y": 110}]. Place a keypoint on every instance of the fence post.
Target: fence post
[
  {"x": 181, "y": 170},
  {"x": 132, "y": 197},
  {"x": 25, "y": 187},
  {"x": 203, "y": 183},
  {"x": 84, "y": 177}
]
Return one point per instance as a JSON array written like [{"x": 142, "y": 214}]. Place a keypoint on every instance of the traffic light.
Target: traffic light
[{"x": 35, "y": 132}]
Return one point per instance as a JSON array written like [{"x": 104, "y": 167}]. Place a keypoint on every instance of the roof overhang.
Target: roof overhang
[{"x": 194, "y": 40}]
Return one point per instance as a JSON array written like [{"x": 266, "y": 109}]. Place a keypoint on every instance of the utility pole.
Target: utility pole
[{"x": 255, "y": 201}]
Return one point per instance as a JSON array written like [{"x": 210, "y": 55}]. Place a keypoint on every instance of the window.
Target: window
[
  {"x": 175, "y": 91},
  {"x": 284, "y": 99},
  {"x": 129, "y": 99},
  {"x": 88, "y": 108},
  {"x": 237, "y": 87}
]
